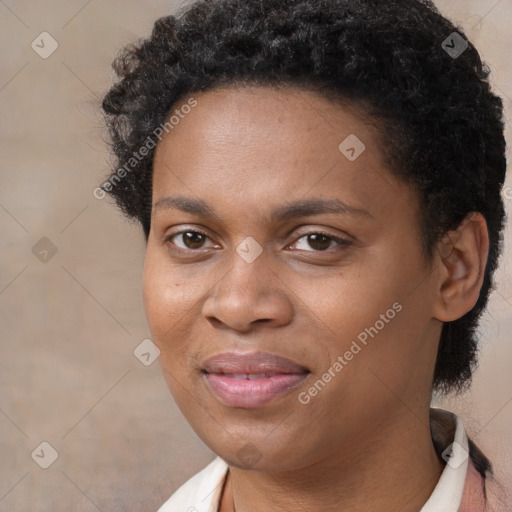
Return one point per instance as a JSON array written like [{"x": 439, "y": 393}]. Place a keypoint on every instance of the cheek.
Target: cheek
[
  {"x": 365, "y": 315},
  {"x": 167, "y": 318},
  {"x": 164, "y": 300},
  {"x": 346, "y": 302},
  {"x": 172, "y": 302},
  {"x": 157, "y": 300}
]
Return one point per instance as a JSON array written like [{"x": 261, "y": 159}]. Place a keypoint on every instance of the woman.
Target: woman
[{"x": 318, "y": 182}]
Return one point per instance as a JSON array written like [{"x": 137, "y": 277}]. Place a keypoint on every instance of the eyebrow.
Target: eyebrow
[{"x": 290, "y": 210}]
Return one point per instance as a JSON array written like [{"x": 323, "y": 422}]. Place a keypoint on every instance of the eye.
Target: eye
[
  {"x": 191, "y": 239},
  {"x": 321, "y": 241}
]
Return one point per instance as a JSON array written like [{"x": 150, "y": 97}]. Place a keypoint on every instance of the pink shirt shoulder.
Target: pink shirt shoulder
[{"x": 480, "y": 496}]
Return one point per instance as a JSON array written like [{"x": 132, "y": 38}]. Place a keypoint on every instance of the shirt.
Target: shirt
[{"x": 461, "y": 486}]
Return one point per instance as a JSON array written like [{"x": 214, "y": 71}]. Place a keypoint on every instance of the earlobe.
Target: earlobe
[{"x": 462, "y": 257}]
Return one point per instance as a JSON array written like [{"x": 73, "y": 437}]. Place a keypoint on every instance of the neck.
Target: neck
[{"x": 397, "y": 470}]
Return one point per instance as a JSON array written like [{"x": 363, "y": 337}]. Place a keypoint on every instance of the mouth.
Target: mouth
[{"x": 252, "y": 379}]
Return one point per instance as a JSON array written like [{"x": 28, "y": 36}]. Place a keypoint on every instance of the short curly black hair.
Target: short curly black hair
[{"x": 442, "y": 128}]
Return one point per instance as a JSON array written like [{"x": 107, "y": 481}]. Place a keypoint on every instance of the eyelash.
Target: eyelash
[{"x": 342, "y": 243}]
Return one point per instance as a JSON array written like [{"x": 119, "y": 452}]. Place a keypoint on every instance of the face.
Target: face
[{"x": 288, "y": 240}]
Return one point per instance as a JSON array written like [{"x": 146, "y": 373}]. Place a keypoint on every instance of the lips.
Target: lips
[
  {"x": 233, "y": 363},
  {"x": 251, "y": 379}
]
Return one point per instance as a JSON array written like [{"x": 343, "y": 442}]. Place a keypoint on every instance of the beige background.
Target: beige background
[{"x": 69, "y": 326}]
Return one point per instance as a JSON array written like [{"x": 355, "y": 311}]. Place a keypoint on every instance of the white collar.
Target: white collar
[
  {"x": 202, "y": 492},
  {"x": 447, "y": 494}
]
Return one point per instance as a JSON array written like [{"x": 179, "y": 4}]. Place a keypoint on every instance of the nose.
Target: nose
[{"x": 249, "y": 294}]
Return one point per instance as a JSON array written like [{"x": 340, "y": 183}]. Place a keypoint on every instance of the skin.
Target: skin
[{"x": 363, "y": 442}]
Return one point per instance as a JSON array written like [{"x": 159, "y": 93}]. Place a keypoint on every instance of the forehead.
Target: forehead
[
  {"x": 262, "y": 145},
  {"x": 241, "y": 114}
]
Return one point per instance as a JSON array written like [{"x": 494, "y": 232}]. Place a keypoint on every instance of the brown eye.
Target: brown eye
[
  {"x": 321, "y": 241},
  {"x": 190, "y": 239}
]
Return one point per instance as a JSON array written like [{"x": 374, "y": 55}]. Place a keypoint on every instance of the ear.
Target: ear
[{"x": 462, "y": 256}]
